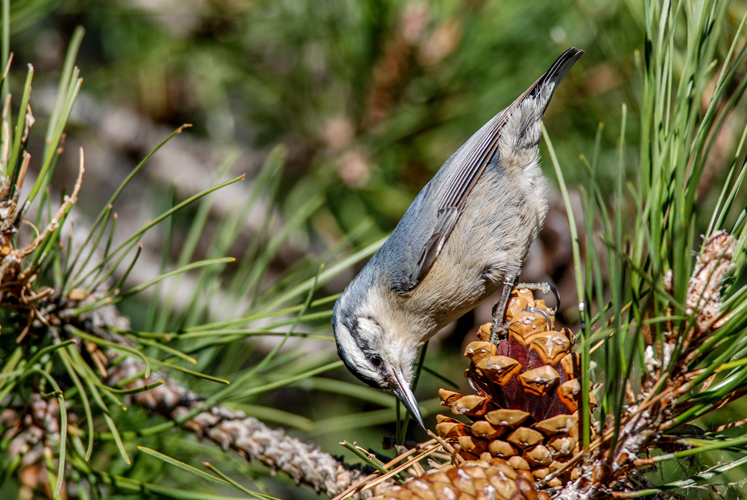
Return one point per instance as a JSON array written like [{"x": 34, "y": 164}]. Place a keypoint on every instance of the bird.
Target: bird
[{"x": 465, "y": 235}]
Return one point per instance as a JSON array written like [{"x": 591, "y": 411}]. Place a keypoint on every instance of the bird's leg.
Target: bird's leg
[
  {"x": 544, "y": 289},
  {"x": 500, "y": 328}
]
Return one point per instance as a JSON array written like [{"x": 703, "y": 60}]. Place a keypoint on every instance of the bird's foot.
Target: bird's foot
[
  {"x": 544, "y": 289},
  {"x": 499, "y": 331}
]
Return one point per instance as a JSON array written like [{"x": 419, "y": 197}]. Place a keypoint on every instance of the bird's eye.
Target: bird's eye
[{"x": 376, "y": 360}]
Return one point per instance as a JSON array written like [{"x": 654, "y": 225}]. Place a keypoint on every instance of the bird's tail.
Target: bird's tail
[
  {"x": 553, "y": 76},
  {"x": 561, "y": 66},
  {"x": 524, "y": 116}
]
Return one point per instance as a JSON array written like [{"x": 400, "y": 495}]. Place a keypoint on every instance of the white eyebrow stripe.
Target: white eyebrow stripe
[{"x": 368, "y": 332}]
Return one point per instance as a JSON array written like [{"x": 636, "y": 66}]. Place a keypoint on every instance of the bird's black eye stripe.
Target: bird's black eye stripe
[
  {"x": 354, "y": 370},
  {"x": 375, "y": 360}
]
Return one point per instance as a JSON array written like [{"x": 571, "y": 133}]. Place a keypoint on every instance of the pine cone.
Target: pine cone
[
  {"x": 526, "y": 411},
  {"x": 474, "y": 480}
]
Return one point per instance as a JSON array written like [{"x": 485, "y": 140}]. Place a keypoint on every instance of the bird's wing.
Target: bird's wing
[{"x": 460, "y": 174}]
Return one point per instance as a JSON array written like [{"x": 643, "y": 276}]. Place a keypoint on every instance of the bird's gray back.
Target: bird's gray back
[{"x": 404, "y": 248}]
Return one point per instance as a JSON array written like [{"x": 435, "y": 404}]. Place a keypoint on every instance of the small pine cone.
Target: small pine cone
[
  {"x": 474, "y": 480},
  {"x": 526, "y": 409}
]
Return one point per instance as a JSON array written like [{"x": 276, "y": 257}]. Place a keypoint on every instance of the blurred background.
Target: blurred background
[{"x": 368, "y": 98}]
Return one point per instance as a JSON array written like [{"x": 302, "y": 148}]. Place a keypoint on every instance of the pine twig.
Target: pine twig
[{"x": 302, "y": 461}]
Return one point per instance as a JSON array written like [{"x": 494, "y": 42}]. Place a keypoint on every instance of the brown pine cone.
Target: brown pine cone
[
  {"x": 474, "y": 480},
  {"x": 526, "y": 409}
]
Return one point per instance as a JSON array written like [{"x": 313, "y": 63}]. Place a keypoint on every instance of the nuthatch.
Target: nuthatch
[{"x": 466, "y": 234}]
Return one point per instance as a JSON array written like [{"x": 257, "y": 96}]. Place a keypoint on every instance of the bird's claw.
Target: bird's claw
[
  {"x": 545, "y": 289},
  {"x": 498, "y": 331},
  {"x": 500, "y": 327}
]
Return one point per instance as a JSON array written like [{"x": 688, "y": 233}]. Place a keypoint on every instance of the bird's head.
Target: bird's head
[{"x": 377, "y": 345}]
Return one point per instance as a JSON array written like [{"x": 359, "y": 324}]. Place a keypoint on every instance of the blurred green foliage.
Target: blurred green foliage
[{"x": 371, "y": 96}]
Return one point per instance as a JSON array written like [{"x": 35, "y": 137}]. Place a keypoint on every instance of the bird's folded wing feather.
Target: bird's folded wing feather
[{"x": 458, "y": 177}]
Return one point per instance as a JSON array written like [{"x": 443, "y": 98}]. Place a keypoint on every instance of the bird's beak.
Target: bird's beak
[{"x": 405, "y": 395}]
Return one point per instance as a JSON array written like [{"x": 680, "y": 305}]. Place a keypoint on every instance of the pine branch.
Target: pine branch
[{"x": 304, "y": 462}]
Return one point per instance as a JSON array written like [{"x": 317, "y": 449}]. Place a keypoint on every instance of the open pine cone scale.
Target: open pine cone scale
[{"x": 525, "y": 411}]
